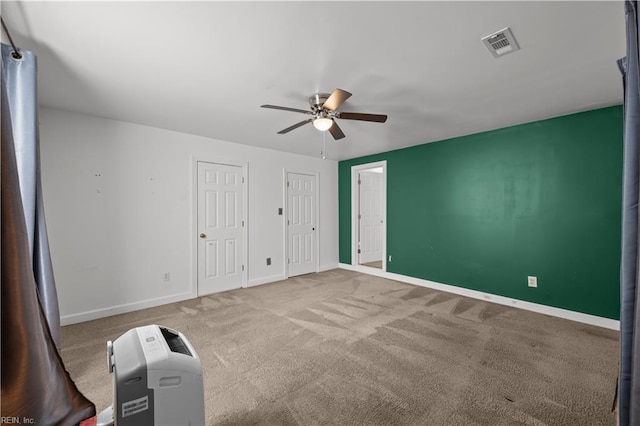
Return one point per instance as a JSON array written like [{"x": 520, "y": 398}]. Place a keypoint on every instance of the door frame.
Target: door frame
[
  {"x": 355, "y": 223},
  {"x": 285, "y": 217},
  {"x": 208, "y": 158}
]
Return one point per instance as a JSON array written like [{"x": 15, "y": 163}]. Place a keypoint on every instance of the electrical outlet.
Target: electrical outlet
[
  {"x": 533, "y": 281},
  {"x": 166, "y": 276},
  {"x": 268, "y": 261}
]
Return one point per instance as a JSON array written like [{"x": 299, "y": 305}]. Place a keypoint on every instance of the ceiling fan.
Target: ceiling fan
[{"x": 323, "y": 108}]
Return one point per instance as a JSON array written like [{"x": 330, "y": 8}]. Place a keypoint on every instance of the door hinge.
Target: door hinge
[
  {"x": 288, "y": 183},
  {"x": 243, "y": 223},
  {"x": 288, "y": 222},
  {"x": 242, "y": 179},
  {"x": 359, "y": 251},
  {"x": 359, "y": 216},
  {"x": 359, "y": 182},
  {"x": 243, "y": 267},
  {"x": 288, "y": 260}
]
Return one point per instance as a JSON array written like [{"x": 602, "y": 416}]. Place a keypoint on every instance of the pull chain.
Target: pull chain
[{"x": 324, "y": 146}]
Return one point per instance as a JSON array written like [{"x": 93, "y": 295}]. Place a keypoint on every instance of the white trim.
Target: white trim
[
  {"x": 208, "y": 158},
  {"x": 354, "y": 210},
  {"x": 285, "y": 216},
  {"x": 501, "y": 300},
  {"x": 328, "y": 267},
  {"x": 121, "y": 309},
  {"x": 266, "y": 280},
  {"x": 245, "y": 214},
  {"x": 285, "y": 228}
]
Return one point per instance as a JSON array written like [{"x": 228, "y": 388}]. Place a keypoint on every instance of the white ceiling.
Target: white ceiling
[{"x": 206, "y": 67}]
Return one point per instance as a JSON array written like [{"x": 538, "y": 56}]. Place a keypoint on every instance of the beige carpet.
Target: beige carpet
[{"x": 343, "y": 348}]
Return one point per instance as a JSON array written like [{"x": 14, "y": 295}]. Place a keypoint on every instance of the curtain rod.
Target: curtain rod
[{"x": 16, "y": 52}]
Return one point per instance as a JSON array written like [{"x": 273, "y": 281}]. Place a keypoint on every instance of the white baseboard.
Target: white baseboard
[
  {"x": 266, "y": 280},
  {"x": 121, "y": 309},
  {"x": 501, "y": 300},
  {"x": 328, "y": 267},
  {"x": 281, "y": 277},
  {"x": 150, "y": 303}
]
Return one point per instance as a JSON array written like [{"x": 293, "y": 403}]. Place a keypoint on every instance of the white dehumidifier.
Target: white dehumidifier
[{"x": 157, "y": 380}]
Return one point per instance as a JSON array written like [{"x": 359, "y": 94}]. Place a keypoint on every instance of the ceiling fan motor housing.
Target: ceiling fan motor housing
[{"x": 316, "y": 101}]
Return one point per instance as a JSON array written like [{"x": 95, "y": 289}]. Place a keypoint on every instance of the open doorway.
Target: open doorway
[{"x": 369, "y": 222}]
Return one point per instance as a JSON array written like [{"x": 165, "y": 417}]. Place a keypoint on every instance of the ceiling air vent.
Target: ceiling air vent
[{"x": 500, "y": 43}]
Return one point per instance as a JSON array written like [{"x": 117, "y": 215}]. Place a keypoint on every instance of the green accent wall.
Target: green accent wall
[{"x": 485, "y": 211}]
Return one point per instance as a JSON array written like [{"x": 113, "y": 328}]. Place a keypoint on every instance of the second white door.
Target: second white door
[{"x": 301, "y": 223}]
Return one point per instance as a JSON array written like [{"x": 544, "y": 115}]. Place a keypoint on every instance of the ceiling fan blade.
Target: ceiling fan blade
[
  {"x": 336, "y": 99},
  {"x": 295, "y": 126},
  {"x": 378, "y": 118},
  {"x": 336, "y": 131},
  {"x": 304, "y": 111}
]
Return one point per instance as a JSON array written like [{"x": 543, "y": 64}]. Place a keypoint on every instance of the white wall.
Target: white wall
[{"x": 119, "y": 208}]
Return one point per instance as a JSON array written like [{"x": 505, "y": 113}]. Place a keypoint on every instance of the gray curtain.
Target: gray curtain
[
  {"x": 35, "y": 384},
  {"x": 629, "y": 384},
  {"x": 20, "y": 79}
]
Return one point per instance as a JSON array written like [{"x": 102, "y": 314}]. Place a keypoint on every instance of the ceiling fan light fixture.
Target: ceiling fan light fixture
[{"x": 322, "y": 123}]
